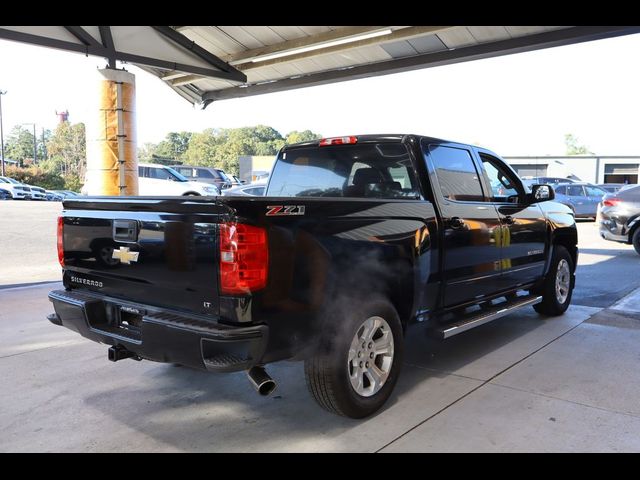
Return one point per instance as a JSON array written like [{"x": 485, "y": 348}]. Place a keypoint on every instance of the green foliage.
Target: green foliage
[
  {"x": 172, "y": 147},
  {"x": 67, "y": 149},
  {"x": 573, "y": 147},
  {"x": 306, "y": 136},
  {"x": 73, "y": 182},
  {"x": 37, "y": 176},
  {"x": 19, "y": 145},
  {"x": 221, "y": 148}
]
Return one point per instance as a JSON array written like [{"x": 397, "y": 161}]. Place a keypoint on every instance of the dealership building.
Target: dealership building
[{"x": 589, "y": 168}]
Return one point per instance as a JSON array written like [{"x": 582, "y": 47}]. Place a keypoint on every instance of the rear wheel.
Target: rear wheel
[
  {"x": 635, "y": 240},
  {"x": 354, "y": 373},
  {"x": 191, "y": 194},
  {"x": 558, "y": 284}
]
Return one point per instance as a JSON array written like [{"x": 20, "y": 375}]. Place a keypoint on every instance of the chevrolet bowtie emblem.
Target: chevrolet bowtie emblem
[{"x": 125, "y": 255}]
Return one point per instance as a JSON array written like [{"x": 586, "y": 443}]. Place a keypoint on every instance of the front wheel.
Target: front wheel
[
  {"x": 558, "y": 284},
  {"x": 359, "y": 363}
]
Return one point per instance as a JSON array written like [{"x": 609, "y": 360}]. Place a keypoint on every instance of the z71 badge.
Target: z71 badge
[{"x": 284, "y": 210}]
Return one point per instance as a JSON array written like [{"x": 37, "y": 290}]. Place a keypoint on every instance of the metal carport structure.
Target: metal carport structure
[
  {"x": 204, "y": 64},
  {"x": 210, "y": 63}
]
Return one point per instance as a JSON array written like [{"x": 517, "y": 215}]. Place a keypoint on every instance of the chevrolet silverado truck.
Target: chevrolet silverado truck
[{"x": 357, "y": 239}]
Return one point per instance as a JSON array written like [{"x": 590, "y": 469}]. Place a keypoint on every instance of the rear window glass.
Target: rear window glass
[{"x": 372, "y": 170}]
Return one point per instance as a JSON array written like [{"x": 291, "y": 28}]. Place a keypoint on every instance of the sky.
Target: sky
[{"x": 520, "y": 104}]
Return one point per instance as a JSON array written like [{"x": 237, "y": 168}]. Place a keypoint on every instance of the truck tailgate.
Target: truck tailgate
[{"x": 175, "y": 242}]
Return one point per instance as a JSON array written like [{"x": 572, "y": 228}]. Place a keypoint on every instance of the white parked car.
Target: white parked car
[
  {"x": 18, "y": 190},
  {"x": 160, "y": 180},
  {"x": 251, "y": 189}
]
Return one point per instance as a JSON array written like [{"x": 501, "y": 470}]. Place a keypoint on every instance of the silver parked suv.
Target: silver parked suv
[{"x": 207, "y": 175}]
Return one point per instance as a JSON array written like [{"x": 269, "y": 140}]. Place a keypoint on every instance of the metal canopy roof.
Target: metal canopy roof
[{"x": 208, "y": 63}]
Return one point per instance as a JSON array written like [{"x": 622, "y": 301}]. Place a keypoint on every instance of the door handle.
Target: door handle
[
  {"x": 509, "y": 220},
  {"x": 456, "y": 222}
]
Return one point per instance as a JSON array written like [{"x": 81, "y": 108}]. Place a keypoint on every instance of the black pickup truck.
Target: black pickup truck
[{"x": 358, "y": 238}]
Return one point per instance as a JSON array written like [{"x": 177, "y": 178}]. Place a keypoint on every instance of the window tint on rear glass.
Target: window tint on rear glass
[
  {"x": 380, "y": 170},
  {"x": 457, "y": 174}
]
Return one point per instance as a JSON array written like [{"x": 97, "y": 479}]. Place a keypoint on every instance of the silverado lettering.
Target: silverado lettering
[{"x": 402, "y": 229}]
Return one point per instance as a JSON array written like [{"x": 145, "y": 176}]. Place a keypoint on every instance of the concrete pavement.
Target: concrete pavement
[{"x": 521, "y": 383}]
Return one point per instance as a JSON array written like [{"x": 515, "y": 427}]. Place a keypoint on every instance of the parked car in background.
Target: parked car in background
[
  {"x": 611, "y": 187},
  {"x": 53, "y": 196},
  {"x": 5, "y": 194},
  {"x": 66, "y": 193},
  {"x": 238, "y": 181},
  {"x": 581, "y": 198},
  {"x": 553, "y": 181},
  {"x": 252, "y": 189},
  {"x": 259, "y": 175},
  {"x": 161, "y": 180},
  {"x": 213, "y": 175},
  {"x": 18, "y": 190},
  {"x": 619, "y": 217},
  {"x": 37, "y": 193}
]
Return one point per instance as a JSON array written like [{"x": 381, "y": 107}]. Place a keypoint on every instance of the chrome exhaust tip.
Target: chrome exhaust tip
[{"x": 261, "y": 381}]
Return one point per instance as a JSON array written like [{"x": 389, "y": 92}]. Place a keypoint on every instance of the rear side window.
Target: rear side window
[
  {"x": 456, "y": 173},
  {"x": 561, "y": 190},
  {"x": 369, "y": 170}
]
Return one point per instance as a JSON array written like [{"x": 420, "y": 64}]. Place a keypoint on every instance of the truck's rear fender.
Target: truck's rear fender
[{"x": 321, "y": 263}]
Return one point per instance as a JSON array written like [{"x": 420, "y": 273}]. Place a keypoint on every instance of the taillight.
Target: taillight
[
  {"x": 244, "y": 258},
  {"x": 338, "y": 141},
  {"x": 61, "y": 241},
  {"x": 611, "y": 202}
]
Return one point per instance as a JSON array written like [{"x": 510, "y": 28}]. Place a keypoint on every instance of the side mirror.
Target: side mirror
[{"x": 541, "y": 193}]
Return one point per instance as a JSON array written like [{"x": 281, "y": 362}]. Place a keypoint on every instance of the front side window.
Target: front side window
[
  {"x": 575, "y": 191},
  {"x": 456, "y": 173},
  {"x": 159, "y": 174},
  {"x": 202, "y": 173},
  {"x": 504, "y": 187}
]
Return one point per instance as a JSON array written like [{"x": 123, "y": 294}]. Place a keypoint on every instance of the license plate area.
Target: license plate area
[{"x": 118, "y": 320}]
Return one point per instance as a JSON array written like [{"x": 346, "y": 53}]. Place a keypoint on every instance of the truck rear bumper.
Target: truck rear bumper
[{"x": 160, "y": 335}]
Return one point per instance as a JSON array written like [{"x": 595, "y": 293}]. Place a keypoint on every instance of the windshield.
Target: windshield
[
  {"x": 10, "y": 180},
  {"x": 178, "y": 177},
  {"x": 224, "y": 176}
]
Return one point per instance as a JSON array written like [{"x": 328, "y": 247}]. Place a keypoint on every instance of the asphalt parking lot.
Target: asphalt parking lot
[{"x": 521, "y": 383}]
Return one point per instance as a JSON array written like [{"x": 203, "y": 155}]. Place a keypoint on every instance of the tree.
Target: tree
[
  {"x": 305, "y": 136},
  {"x": 19, "y": 145},
  {"x": 67, "y": 149},
  {"x": 573, "y": 147}
]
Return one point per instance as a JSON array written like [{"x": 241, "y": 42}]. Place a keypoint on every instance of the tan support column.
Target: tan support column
[{"x": 112, "y": 162}]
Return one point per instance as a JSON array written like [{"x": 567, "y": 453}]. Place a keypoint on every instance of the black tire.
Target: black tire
[
  {"x": 191, "y": 194},
  {"x": 551, "y": 303},
  {"x": 635, "y": 240},
  {"x": 327, "y": 373}
]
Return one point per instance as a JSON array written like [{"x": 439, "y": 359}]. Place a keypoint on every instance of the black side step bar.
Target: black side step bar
[{"x": 485, "y": 316}]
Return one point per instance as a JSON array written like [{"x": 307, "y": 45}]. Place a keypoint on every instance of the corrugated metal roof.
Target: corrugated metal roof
[{"x": 210, "y": 63}]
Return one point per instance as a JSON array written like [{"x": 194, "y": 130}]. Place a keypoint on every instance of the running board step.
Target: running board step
[{"x": 485, "y": 316}]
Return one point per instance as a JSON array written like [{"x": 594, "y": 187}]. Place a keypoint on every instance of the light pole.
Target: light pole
[
  {"x": 2, "y": 92},
  {"x": 35, "y": 143}
]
